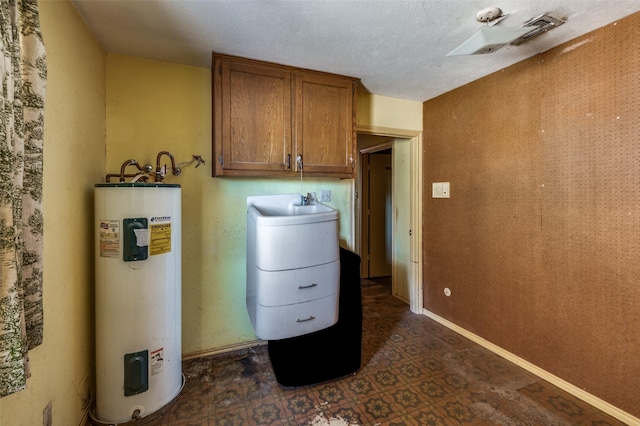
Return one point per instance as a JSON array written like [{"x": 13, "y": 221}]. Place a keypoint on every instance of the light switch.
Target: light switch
[{"x": 440, "y": 190}]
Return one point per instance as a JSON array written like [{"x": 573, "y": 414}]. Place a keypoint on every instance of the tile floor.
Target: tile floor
[{"x": 414, "y": 372}]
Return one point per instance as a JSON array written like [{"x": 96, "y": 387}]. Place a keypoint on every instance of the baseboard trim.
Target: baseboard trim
[
  {"x": 223, "y": 349},
  {"x": 593, "y": 400}
]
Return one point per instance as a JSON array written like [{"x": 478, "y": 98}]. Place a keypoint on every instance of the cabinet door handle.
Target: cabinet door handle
[
  {"x": 289, "y": 161},
  {"x": 311, "y": 317},
  {"x": 308, "y": 286}
]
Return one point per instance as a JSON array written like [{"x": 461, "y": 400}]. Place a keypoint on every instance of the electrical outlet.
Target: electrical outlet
[{"x": 325, "y": 195}]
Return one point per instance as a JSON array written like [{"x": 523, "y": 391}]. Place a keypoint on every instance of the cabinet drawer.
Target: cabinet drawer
[
  {"x": 297, "y": 285},
  {"x": 280, "y": 248},
  {"x": 283, "y": 322}
]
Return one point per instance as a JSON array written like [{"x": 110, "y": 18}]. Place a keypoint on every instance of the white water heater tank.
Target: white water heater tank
[{"x": 138, "y": 299}]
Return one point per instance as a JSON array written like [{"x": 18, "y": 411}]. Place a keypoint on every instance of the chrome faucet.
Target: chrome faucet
[{"x": 308, "y": 200}]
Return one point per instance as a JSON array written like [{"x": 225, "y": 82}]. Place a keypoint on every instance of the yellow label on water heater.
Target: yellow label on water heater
[{"x": 160, "y": 239}]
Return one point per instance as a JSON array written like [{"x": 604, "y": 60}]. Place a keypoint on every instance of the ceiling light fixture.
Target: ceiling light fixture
[
  {"x": 492, "y": 37},
  {"x": 488, "y": 40}
]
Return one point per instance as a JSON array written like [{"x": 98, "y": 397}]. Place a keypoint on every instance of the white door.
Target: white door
[{"x": 401, "y": 218}]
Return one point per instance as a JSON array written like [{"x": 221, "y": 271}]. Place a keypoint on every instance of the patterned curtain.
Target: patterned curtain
[{"x": 23, "y": 76}]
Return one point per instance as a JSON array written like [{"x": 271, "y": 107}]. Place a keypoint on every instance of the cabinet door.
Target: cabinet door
[
  {"x": 324, "y": 124},
  {"x": 252, "y": 118}
]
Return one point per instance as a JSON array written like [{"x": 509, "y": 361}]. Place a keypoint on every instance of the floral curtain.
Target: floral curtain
[{"x": 23, "y": 77}]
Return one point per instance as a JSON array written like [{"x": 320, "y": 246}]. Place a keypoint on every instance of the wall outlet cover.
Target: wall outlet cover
[{"x": 440, "y": 190}]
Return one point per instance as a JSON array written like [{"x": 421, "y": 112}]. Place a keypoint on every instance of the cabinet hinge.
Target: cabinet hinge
[
  {"x": 353, "y": 89},
  {"x": 220, "y": 69},
  {"x": 221, "y": 160}
]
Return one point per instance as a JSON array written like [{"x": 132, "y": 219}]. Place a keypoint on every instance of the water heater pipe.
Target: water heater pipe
[
  {"x": 131, "y": 162},
  {"x": 175, "y": 170}
]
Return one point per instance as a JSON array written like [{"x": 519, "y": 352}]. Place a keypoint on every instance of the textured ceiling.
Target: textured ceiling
[{"x": 397, "y": 48}]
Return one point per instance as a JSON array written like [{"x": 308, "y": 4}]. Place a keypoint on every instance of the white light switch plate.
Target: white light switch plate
[
  {"x": 440, "y": 190},
  {"x": 325, "y": 195}
]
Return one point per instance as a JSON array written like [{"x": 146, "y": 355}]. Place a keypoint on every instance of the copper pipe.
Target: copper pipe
[
  {"x": 131, "y": 162},
  {"x": 175, "y": 170},
  {"x": 125, "y": 164}
]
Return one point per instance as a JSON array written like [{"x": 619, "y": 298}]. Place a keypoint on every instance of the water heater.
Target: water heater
[{"x": 138, "y": 299}]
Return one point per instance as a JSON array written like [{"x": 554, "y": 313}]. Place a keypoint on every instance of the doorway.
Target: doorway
[
  {"x": 377, "y": 198},
  {"x": 385, "y": 212}
]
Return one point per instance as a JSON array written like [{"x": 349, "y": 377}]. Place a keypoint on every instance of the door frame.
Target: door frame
[{"x": 415, "y": 205}]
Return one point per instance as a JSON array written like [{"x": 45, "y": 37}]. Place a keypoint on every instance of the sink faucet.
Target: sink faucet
[{"x": 308, "y": 200}]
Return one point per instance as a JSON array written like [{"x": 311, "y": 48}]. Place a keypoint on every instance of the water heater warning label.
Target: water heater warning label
[
  {"x": 160, "y": 239},
  {"x": 109, "y": 238},
  {"x": 156, "y": 360}
]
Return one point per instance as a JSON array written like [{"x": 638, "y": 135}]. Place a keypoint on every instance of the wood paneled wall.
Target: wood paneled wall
[{"x": 540, "y": 240}]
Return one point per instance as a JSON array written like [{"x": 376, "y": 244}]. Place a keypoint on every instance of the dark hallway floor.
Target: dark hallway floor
[{"x": 414, "y": 372}]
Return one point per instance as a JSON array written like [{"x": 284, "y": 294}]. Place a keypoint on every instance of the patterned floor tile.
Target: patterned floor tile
[{"x": 414, "y": 372}]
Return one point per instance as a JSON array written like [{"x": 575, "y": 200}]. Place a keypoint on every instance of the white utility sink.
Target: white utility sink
[
  {"x": 293, "y": 266},
  {"x": 282, "y": 209}
]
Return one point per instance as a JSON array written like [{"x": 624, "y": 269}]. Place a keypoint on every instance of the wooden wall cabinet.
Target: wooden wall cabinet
[{"x": 266, "y": 115}]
